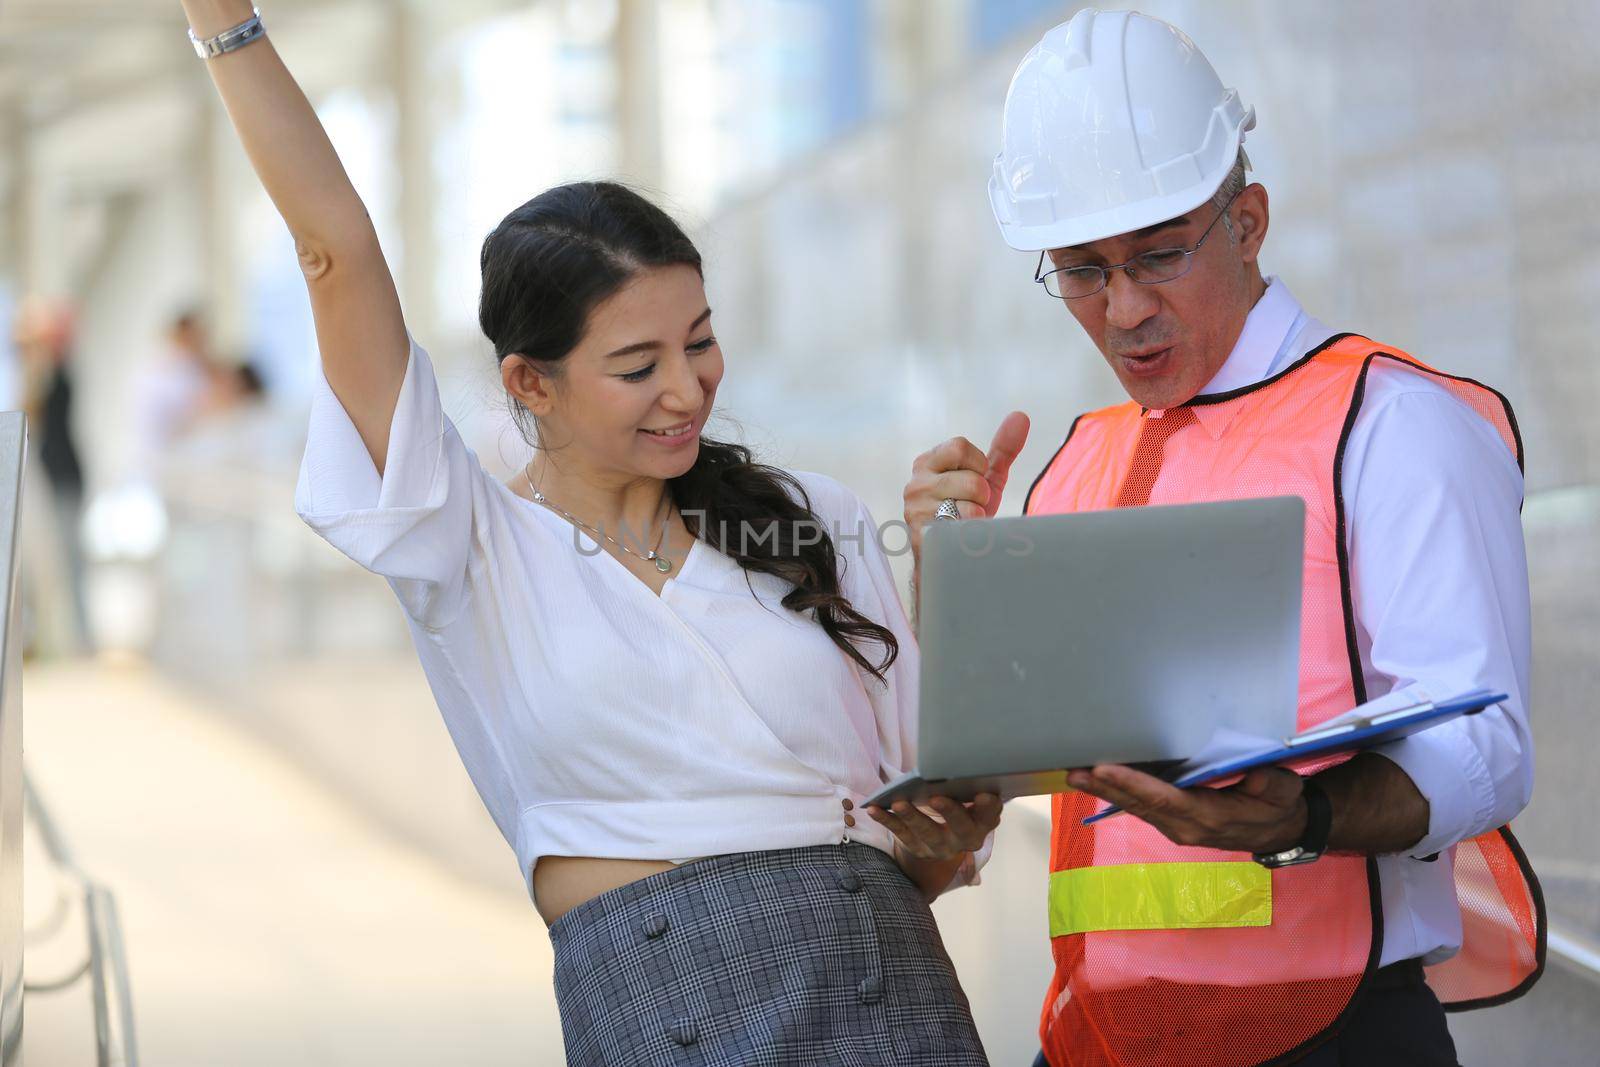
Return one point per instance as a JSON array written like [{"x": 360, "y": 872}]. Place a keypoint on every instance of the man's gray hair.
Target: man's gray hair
[{"x": 1231, "y": 186}]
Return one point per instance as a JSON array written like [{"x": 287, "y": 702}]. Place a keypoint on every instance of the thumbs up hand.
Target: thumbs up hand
[{"x": 957, "y": 470}]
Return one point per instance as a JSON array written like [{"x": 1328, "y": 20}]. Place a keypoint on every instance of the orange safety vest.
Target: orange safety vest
[{"x": 1167, "y": 954}]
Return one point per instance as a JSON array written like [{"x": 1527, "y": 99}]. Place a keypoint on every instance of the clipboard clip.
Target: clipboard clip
[{"x": 1350, "y": 726}]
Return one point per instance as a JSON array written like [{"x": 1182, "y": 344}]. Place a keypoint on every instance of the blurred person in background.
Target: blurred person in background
[
  {"x": 230, "y": 427},
  {"x": 247, "y": 385},
  {"x": 671, "y": 672},
  {"x": 43, "y": 335},
  {"x": 176, "y": 390},
  {"x": 1317, "y": 918},
  {"x": 195, "y": 437}
]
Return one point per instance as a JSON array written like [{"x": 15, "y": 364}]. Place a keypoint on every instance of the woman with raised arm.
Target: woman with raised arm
[{"x": 672, "y": 673}]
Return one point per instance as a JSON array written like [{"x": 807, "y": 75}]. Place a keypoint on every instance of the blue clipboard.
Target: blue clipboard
[{"x": 1348, "y": 735}]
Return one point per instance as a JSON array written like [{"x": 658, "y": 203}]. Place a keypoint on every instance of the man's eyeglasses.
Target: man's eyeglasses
[{"x": 1147, "y": 268}]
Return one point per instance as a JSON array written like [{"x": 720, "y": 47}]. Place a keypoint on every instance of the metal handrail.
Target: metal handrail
[
  {"x": 1575, "y": 953},
  {"x": 113, "y": 1002},
  {"x": 107, "y": 965}
]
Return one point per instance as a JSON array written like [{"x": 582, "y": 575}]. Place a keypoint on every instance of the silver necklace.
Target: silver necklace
[{"x": 663, "y": 564}]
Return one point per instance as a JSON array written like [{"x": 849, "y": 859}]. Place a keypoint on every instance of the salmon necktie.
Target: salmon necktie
[{"x": 1148, "y": 452}]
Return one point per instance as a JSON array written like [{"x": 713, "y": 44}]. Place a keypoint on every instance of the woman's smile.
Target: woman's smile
[{"x": 674, "y": 436}]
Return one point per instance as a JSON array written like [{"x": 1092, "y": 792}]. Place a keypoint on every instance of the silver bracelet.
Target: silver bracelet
[{"x": 247, "y": 32}]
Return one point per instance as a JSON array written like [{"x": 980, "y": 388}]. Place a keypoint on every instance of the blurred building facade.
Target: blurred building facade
[{"x": 1434, "y": 171}]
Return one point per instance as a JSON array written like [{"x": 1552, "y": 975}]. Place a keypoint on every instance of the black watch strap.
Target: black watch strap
[
  {"x": 1319, "y": 817},
  {"x": 1319, "y": 823}
]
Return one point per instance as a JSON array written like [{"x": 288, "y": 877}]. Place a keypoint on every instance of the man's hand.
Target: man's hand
[
  {"x": 957, "y": 470},
  {"x": 1377, "y": 809},
  {"x": 1264, "y": 812}
]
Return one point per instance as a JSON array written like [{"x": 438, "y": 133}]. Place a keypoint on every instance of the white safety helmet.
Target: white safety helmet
[{"x": 1114, "y": 121}]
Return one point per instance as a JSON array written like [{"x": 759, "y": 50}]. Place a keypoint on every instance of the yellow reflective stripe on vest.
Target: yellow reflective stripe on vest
[{"x": 1159, "y": 896}]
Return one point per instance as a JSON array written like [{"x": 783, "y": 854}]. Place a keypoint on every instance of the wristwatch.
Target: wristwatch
[
  {"x": 1319, "y": 821},
  {"x": 228, "y": 40}
]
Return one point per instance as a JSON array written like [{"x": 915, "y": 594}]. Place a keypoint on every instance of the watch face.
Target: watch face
[{"x": 1289, "y": 857}]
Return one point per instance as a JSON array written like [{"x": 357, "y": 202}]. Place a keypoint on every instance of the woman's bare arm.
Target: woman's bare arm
[{"x": 360, "y": 329}]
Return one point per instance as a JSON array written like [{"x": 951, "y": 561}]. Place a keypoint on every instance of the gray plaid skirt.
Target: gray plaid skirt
[{"x": 824, "y": 955}]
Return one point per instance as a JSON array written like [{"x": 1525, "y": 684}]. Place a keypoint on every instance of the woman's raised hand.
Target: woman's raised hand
[{"x": 360, "y": 330}]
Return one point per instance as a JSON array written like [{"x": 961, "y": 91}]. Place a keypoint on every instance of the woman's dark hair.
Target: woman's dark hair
[{"x": 545, "y": 267}]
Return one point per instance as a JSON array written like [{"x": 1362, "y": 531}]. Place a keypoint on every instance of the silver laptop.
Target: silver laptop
[{"x": 1123, "y": 636}]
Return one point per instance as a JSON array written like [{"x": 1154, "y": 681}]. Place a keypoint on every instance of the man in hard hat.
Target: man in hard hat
[{"x": 1289, "y": 917}]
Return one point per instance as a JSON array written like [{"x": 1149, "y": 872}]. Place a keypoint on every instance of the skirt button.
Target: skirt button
[
  {"x": 850, "y": 881},
  {"x": 655, "y": 924},
  {"x": 685, "y": 1032},
  {"x": 870, "y": 990}
]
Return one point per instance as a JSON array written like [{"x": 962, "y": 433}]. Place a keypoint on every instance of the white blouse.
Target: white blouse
[{"x": 594, "y": 717}]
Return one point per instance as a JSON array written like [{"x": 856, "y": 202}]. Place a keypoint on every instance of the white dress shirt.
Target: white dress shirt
[
  {"x": 595, "y": 717},
  {"x": 1439, "y": 582}
]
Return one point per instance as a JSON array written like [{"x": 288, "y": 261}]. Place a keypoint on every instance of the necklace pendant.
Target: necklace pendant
[{"x": 663, "y": 564}]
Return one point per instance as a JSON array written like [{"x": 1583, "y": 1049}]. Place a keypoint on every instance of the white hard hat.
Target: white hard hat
[{"x": 1114, "y": 121}]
